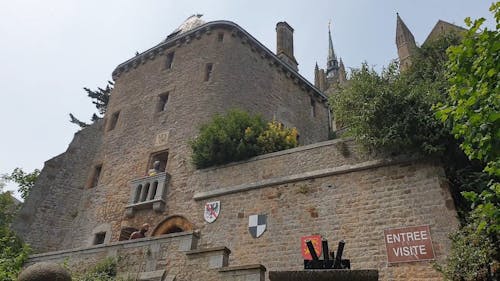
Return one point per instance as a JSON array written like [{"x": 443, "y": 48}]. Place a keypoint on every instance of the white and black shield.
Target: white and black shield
[
  {"x": 257, "y": 225},
  {"x": 212, "y": 211}
]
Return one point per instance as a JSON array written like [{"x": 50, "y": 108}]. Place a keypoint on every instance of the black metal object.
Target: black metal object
[{"x": 327, "y": 263}]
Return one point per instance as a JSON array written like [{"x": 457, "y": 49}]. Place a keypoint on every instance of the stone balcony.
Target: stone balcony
[{"x": 148, "y": 193}]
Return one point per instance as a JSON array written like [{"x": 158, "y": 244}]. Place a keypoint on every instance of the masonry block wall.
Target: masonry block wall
[
  {"x": 47, "y": 216},
  {"x": 351, "y": 198},
  {"x": 323, "y": 187}
]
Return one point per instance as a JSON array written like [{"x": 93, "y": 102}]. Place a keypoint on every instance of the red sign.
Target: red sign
[
  {"x": 408, "y": 244},
  {"x": 316, "y": 241}
]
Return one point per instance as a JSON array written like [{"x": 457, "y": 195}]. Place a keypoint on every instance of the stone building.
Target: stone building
[
  {"x": 90, "y": 198},
  {"x": 405, "y": 41}
]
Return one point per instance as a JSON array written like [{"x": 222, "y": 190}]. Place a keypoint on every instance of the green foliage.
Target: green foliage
[
  {"x": 227, "y": 138},
  {"x": 472, "y": 111},
  {"x": 471, "y": 256},
  {"x": 390, "y": 112},
  {"x": 237, "y": 136},
  {"x": 103, "y": 271},
  {"x": 13, "y": 253},
  {"x": 473, "y": 107},
  {"x": 24, "y": 180},
  {"x": 277, "y": 137},
  {"x": 100, "y": 98}
]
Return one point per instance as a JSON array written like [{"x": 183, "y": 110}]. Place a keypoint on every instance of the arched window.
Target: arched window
[{"x": 172, "y": 224}]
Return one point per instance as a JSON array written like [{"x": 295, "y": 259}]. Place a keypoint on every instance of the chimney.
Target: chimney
[{"x": 284, "y": 44}]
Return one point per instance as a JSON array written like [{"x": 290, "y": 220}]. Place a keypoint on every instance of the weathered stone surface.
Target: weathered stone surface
[
  {"x": 44, "y": 271},
  {"x": 57, "y": 201},
  {"x": 324, "y": 275},
  {"x": 326, "y": 188}
]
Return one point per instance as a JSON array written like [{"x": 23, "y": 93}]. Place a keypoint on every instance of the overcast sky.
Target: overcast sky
[{"x": 50, "y": 50}]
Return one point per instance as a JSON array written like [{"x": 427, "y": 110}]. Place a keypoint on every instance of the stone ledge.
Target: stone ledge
[
  {"x": 303, "y": 176},
  {"x": 217, "y": 257},
  {"x": 279, "y": 153},
  {"x": 243, "y": 267},
  {"x": 325, "y": 275},
  {"x": 209, "y": 250},
  {"x": 152, "y": 275},
  {"x": 117, "y": 244}
]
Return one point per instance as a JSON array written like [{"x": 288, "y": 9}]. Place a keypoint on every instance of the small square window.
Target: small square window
[
  {"x": 162, "y": 102},
  {"x": 99, "y": 238},
  {"x": 96, "y": 175},
  {"x": 220, "y": 36},
  {"x": 113, "y": 121},
  {"x": 170, "y": 60},
  {"x": 208, "y": 71}
]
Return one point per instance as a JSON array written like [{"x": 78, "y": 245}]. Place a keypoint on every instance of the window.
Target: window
[
  {"x": 161, "y": 157},
  {"x": 162, "y": 102},
  {"x": 126, "y": 232},
  {"x": 313, "y": 107},
  {"x": 208, "y": 71},
  {"x": 113, "y": 121},
  {"x": 96, "y": 174},
  {"x": 220, "y": 36},
  {"x": 99, "y": 238},
  {"x": 170, "y": 60}
]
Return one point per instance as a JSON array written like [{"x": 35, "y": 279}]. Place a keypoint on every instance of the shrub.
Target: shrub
[
  {"x": 388, "y": 112},
  {"x": 13, "y": 252},
  {"x": 238, "y": 136},
  {"x": 473, "y": 256},
  {"x": 277, "y": 137},
  {"x": 105, "y": 270}
]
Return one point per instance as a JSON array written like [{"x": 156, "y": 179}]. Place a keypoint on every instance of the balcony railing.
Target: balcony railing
[{"x": 148, "y": 192}]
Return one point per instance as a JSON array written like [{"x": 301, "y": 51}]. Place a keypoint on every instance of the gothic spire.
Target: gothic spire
[
  {"x": 332, "y": 65},
  {"x": 331, "y": 52}
]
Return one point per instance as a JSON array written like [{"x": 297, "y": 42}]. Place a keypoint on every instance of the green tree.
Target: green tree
[
  {"x": 100, "y": 98},
  {"x": 13, "y": 252},
  {"x": 473, "y": 105},
  {"x": 24, "y": 180},
  {"x": 472, "y": 111},
  {"x": 390, "y": 112}
]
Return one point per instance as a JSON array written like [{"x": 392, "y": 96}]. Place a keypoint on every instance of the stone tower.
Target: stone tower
[
  {"x": 405, "y": 43},
  {"x": 327, "y": 81}
]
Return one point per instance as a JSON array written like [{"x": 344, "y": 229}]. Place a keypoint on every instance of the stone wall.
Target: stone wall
[
  {"x": 339, "y": 197},
  {"x": 169, "y": 257},
  {"x": 47, "y": 216},
  {"x": 326, "y": 188}
]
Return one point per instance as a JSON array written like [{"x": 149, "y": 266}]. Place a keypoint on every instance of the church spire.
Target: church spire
[{"x": 332, "y": 65}]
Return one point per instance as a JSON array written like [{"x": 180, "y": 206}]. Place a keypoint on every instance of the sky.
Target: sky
[{"x": 51, "y": 49}]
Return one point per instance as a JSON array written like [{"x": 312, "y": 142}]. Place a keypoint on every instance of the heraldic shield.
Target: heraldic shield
[
  {"x": 212, "y": 211},
  {"x": 257, "y": 225}
]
